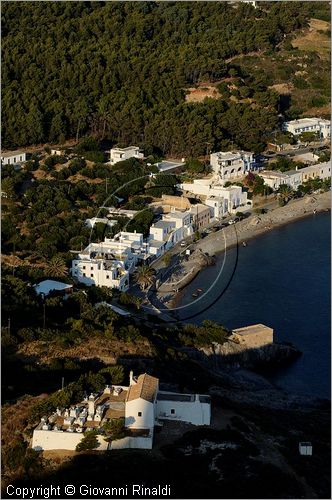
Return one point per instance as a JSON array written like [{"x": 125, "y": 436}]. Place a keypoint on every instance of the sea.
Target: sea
[{"x": 281, "y": 279}]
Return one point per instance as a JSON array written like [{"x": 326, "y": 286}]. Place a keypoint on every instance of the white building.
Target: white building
[
  {"x": 294, "y": 178},
  {"x": 321, "y": 170},
  {"x": 141, "y": 405},
  {"x": 230, "y": 165},
  {"x": 297, "y": 127},
  {"x": 13, "y": 157},
  {"x": 217, "y": 206},
  {"x": 121, "y": 154},
  {"x": 164, "y": 234},
  {"x": 275, "y": 179},
  {"x": 234, "y": 198},
  {"x": 110, "y": 262}
]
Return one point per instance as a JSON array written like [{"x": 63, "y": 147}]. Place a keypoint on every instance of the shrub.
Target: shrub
[{"x": 89, "y": 441}]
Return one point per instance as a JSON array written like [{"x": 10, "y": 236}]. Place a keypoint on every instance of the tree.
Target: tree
[
  {"x": 114, "y": 429},
  {"x": 89, "y": 441},
  {"x": 144, "y": 276},
  {"x": 116, "y": 373},
  {"x": 167, "y": 258},
  {"x": 8, "y": 187},
  {"x": 285, "y": 193},
  {"x": 58, "y": 128},
  {"x": 56, "y": 267}
]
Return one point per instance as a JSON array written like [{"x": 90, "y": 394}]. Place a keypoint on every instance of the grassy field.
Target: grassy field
[{"x": 316, "y": 38}]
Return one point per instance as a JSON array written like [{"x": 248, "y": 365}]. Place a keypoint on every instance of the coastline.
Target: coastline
[{"x": 250, "y": 228}]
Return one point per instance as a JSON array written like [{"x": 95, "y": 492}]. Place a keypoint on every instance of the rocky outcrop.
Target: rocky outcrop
[{"x": 234, "y": 355}]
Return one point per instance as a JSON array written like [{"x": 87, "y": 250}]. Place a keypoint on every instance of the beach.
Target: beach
[{"x": 230, "y": 236}]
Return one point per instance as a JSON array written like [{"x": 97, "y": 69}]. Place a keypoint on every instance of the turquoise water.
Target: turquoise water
[{"x": 282, "y": 279}]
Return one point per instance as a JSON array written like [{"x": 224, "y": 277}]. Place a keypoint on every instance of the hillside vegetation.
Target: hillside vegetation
[{"x": 119, "y": 70}]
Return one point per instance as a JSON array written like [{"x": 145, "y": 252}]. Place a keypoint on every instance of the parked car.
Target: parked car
[
  {"x": 183, "y": 244},
  {"x": 233, "y": 221}
]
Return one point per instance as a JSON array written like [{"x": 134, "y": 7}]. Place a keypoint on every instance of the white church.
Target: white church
[{"x": 142, "y": 406}]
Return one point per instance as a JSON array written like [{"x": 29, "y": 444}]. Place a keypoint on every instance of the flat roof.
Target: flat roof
[
  {"x": 128, "y": 148},
  {"x": 162, "y": 224},
  {"x": 168, "y": 165},
  {"x": 156, "y": 244},
  {"x": 228, "y": 155},
  {"x": 12, "y": 153},
  {"x": 308, "y": 121},
  {"x": 252, "y": 329},
  {"x": 198, "y": 209},
  {"x": 273, "y": 174},
  {"x": 177, "y": 215},
  {"x": 48, "y": 286}
]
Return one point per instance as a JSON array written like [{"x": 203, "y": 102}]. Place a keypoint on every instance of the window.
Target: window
[
  {"x": 14, "y": 159},
  {"x": 91, "y": 268},
  {"x": 20, "y": 158},
  {"x": 172, "y": 411},
  {"x": 84, "y": 274},
  {"x": 107, "y": 277},
  {"x": 139, "y": 414},
  {"x": 91, "y": 275},
  {"x": 83, "y": 267}
]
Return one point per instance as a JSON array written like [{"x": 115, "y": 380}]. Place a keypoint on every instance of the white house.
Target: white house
[
  {"x": 321, "y": 170},
  {"x": 229, "y": 165},
  {"x": 121, "y": 154},
  {"x": 234, "y": 198},
  {"x": 294, "y": 178},
  {"x": 275, "y": 179},
  {"x": 174, "y": 227},
  {"x": 141, "y": 405},
  {"x": 217, "y": 206},
  {"x": 13, "y": 157},
  {"x": 297, "y": 127},
  {"x": 110, "y": 262}
]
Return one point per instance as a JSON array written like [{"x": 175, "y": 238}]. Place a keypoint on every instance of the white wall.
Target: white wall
[
  {"x": 99, "y": 277},
  {"x": 117, "y": 154},
  {"x": 144, "y": 443},
  {"x": 18, "y": 157},
  {"x": 57, "y": 440},
  {"x": 194, "y": 412},
  {"x": 133, "y": 420}
]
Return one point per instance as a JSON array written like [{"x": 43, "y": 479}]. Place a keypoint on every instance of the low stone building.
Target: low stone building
[{"x": 253, "y": 336}]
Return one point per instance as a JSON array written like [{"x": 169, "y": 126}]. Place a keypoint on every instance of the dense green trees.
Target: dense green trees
[{"x": 118, "y": 70}]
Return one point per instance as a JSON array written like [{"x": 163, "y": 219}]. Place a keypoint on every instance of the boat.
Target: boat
[
  {"x": 199, "y": 289},
  {"x": 194, "y": 295},
  {"x": 244, "y": 243}
]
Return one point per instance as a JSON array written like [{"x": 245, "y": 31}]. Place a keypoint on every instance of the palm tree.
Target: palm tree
[
  {"x": 285, "y": 193},
  {"x": 56, "y": 267},
  {"x": 144, "y": 276}
]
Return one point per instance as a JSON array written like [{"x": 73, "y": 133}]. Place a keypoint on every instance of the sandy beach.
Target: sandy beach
[{"x": 242, "y": 231}]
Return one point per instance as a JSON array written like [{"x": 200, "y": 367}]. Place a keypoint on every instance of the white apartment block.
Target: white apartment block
[
  {"x": 297, "y": 127},
  {"x": 234, "y": 198},
  {"x": 230, "y": 165},
  {"x": 13, "y": 157},
  {"x": 164, "y": 234},
  {"x": 321, "y": 170},
  {"x": 275, "y": 179},
  {"x": 110, "y": 262},
  {"x": 294, "y": 178},
  {"x": 141, "y": 405},
  {"x": 121, "y": 154}
]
